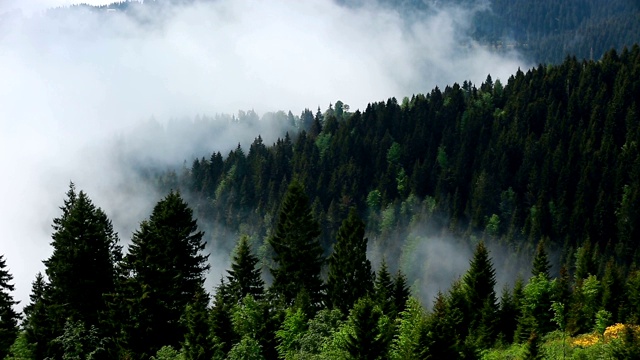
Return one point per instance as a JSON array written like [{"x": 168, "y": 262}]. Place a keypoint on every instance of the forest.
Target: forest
[{"x": 544, "y": 166}]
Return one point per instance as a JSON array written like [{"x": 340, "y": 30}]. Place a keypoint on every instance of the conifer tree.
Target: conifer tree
[
  {"x": 479, "y": 283},
  {"x": 541, "y": 263},
  {"x": 198, "y": 344},
  {"x": 81, "y": 269},
  {"x": 401, "y": 292},
  {"x": 165, "y": 270},
  {"x": 350, "y": 276},
  {"x": 370, "y": 337},
  {"x": 36, "y": 323},
  {"x": 244, "y": 277},
  {"x": 8, "y": 316},
  {"x": 298, "y": 254},
  {"x": 383, "y": 289},
  {"x": 220, "y": 318}
]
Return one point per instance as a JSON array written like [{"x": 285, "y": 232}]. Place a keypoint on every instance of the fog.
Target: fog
[{"x": 75, "y": 83}]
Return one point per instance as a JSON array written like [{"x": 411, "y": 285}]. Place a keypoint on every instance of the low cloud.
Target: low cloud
[{"x": 75, "y": 81}]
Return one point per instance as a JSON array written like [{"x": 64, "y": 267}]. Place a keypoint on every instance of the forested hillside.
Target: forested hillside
[{"x": 546, "y": 162}]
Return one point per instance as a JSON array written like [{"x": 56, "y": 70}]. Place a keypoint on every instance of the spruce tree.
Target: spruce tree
[
  {"x": 298, "y": 254},
  {"x": 479, "y": 286},
  {"x": 37, "y": 323},
  {"x": 81, "y": 269},
  {"x": 370, "y": 338},
  {"x": 222, "y": 331},
  {"x": 401, "y": 292},
  {"x": 541, "y": 263},
  {"x": 164, "y": 271},
  {"x": 244, "y": 276},
  {"x": 8, "y": 316},
  {"x": 198, "y": 342},
  {"x": 383, "y": 289},
  {"x": 350, "y": 276}
]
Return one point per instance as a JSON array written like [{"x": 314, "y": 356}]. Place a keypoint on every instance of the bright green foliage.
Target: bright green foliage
[
  {"x": 81, "y": 269},
  {"x": 320, "y": 331},
  {"x": 536, "y": 307},
  {"x": 198, "y": 344},
  {"x": 8, "y": 316},
  {"x": 370, "y": 332},
  {"x": 406, "y": 343},
  {"x": 20, "y": 349},
  {"x": 298, "y": 254},
  {"x": 79, "y": 343},
  {"x": 350, "y": 276},
  {"x": 164, "y": 271},
  {"x": 247, "y": 349},
  {"x": 244, "y": 276},
  {"x": 585, "y": 304},
  {"x": 168, "y": 353},
  {"x": 289, "y": 336}
]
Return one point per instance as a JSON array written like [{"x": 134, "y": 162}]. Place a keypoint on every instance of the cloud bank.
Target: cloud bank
[{"x": 75, "y": 80}]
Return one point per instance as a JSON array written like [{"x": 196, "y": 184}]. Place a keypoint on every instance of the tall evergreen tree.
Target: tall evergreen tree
[
  {"x": 8, "y": 316},
  {"x": 370, "y": 338},
  {"x": 401, "y": 292},
  {"x": 81, "y": 269},
  {"x": 383, "y": 289},
  {"x": 165, "y": 270},
  {"x": 479, "y": 286},
  {"x": 244, "y": 276},
  {"x": 36, "y": 323},
  {"x": 541, "y": 263},
  {"x": 198, "y": 342},
  {"x": 350, "y": 276},
  {"x": 298, "y": 254}
]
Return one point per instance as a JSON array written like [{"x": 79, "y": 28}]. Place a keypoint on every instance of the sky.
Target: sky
[{"x": 77, "y": 83}]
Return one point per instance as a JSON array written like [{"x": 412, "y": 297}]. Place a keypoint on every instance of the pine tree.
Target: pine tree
[
  {"x": 350, "y": 276},
  {"x": 298, "y": 254},
  {"x": 36, "y": 325},
  {"x": 164, "y": 271},
  {"x": 479, "y": 286},
  {"x": 370, "y": 337},
  {"x": 81, "y": 269},
  {"x": 220, "y": 318},
  {"x": 244, "y": 277},
  {"x": 383, "y": 289},
  {"x": 541, "y": 263},
  {"x": 8, "y": 316},
  {"x": 198, "y": 344},
  {"x": 401, "y": 292}
]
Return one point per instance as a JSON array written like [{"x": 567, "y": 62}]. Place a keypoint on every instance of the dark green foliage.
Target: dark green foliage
[
  {"x": 81, "y": 270},
  {"x": 221, "y": 324},
  {"x": 350, "y": 276},
  {"x": 532, "y": 351},
  {"x": 198, "y": 342},
  {"x": 298, "y": 255},
  {"x": 401, "y": 292},
  {"x": 541, "y": 263},
  {"x": 244, "y": 276},
  {"x": 440, "y": 338},
  {"x": 370, "y": 338},
  {"x": 8, "y": 316},
  {"x": 383, "y": 290},
  {"x": 479, "y": 286},
  {"x": 38, "y": 330},
  {"x": 164, "y": 271}
]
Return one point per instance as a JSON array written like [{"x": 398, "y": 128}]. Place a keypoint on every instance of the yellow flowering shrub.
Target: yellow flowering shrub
[{"x": 612, "y": 332}]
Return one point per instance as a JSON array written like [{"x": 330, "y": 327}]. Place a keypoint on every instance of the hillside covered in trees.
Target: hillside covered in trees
[{"x": 327, "y": 221}]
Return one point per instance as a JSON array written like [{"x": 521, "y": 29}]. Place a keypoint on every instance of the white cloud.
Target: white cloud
[{"x": 72, "y": 82}]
